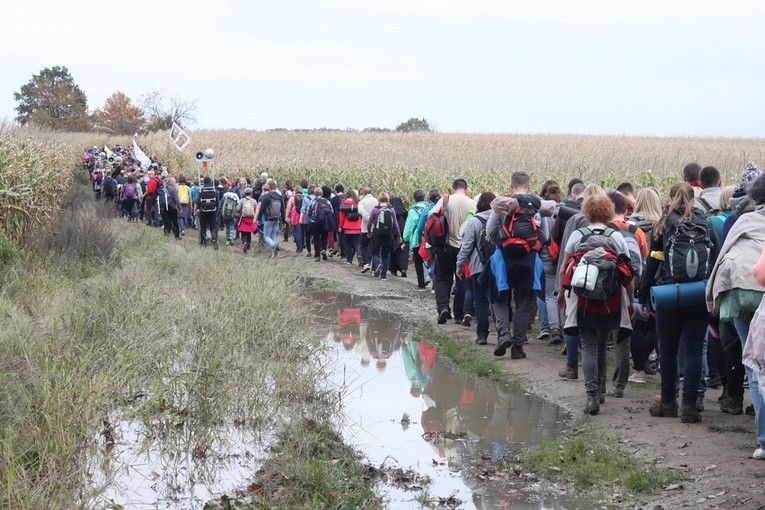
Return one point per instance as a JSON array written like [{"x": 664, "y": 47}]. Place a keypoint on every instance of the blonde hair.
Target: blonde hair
[
  {"x": 592, "y": 190},
  {"x": 725, "y": 195},
  {"x": 649, "y": 203},
  {"x": 383, "y": 197}
]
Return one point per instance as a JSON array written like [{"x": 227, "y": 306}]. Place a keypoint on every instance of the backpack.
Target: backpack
[
  {"x": 384, "y": 224},
  {"x": 628, "y": 232},
  {"x": 248, "y": 208},
  {"x": 109, "y": 186},
  {"x": 298, "y": 203},
  {"x": 183, "y": 195},
  {"x": 130, "y": 191},
  {"x": 589, "y": 280},
  {"x": 97, "y": 178},
  {"x": 436, "y": 231},
  {"x": 687, "y": 252},
  {"x": 520, "y": 228},
  {"x": 318, "y": 209},
  {"x": 274, "y": 207},
  {"x": 483, "y": 245},
  {"x": 228, "y": 208},
  {"x": 351, "y": 212},
  {"x": 208, "y": 200}
]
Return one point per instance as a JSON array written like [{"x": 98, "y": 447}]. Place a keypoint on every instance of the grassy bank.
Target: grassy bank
[{"x": 101, "y": 316}]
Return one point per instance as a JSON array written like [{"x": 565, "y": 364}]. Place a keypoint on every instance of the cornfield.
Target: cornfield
[
  {"x": 34, "y": 176},
  {"x": 401, "y": 162}
]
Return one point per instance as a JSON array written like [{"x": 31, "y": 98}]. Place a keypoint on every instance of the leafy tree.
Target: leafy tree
[
  {"x": 162, "y": 110},
  {"x": 119, "y": 116},
  {"x": 414, "y": 124},
  {"x": 51, "y": 99}
]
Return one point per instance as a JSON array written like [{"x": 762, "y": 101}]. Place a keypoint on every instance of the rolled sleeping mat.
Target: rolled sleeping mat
[{"x": 675, "y": 295}]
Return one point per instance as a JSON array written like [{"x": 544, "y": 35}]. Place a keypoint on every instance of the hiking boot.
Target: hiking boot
[
  {"x": 244, "y": 247},
  {"x": 714, "y": 382},
  {"x": 700, "y": 406},
  {"x": 689, "y": 414},
  {"x": 378, "y": 270},
  {"x": 663, "y": 410},
  {"x": 637, "y": 378},
  {"x": 649, "y": 370},
  {"x": 480, "y": 341},
  {"x": 443, "y": 316},
  {"x": 749, "y": 411},
  {"x": 517, "y": 352},
  {"x": 545, "y": 333},
  {"x": 555, "y": 337},
  {"x": 569, "y": 372},
  {"x": 366, "y": 268},
  {"x": 593, "y": 406},
  {"x": 617, "y": 392},
  {"x": 309, "y": 253},
  {"x": 501, "y": 348},
  {"x": 324, "y": 254},
  {"x": 402, "y": 274},
  {"x": 466, "y": 320},
  {"x": 215, "y": 244},
  {"x": 732, "y": 405}
]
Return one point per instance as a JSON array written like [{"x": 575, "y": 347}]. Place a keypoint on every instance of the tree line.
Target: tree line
[{"x": 52, "y": 99}]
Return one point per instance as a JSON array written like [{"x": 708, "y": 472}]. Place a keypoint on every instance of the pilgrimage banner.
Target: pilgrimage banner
[
  {"x": 179, "y": 137},
  {"x": 141, "y": 156}
]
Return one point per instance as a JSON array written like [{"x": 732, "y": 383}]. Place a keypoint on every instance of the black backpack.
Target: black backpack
[
  {"x": 109, "y": 186},
  {"x": 483, "y": 245},
  {"x": 274, "y": 206},
  {"x": 208, "y": 199},
  {"x": 384, "y": 224},
  {"x": 687, "y": 251}
]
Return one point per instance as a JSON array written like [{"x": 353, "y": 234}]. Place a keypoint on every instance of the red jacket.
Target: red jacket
[{"x": 151, "y": 188}]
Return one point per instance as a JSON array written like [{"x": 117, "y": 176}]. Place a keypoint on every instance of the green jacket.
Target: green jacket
[{"x": 410, "y": 236}]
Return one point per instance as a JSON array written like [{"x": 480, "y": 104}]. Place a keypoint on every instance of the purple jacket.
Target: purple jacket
[{"x": 373, "y": 219}]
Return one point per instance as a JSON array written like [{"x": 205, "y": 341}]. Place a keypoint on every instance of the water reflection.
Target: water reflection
[{"x": 413, "y": 408}]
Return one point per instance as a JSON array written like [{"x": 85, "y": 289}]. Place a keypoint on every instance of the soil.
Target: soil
[{"x": 715, "y": 469}]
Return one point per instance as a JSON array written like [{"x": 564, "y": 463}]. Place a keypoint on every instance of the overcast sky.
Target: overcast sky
[{"x": 600, "y": 67}]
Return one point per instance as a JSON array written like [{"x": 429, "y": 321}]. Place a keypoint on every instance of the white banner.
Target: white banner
[
  {"x": 179, "y": 137},
  {"x": 141, "y": 156}
]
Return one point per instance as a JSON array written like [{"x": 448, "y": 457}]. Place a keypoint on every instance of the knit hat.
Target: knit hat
[{"x": 749, "y": 174}]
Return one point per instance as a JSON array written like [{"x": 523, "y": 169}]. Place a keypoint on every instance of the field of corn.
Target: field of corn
[{"x": 401, "y": 162}]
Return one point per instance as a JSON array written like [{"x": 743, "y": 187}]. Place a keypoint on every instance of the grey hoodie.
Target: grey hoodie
[
  {"x": 712, "y": 198},
  {"x": 471, "y": 233}
]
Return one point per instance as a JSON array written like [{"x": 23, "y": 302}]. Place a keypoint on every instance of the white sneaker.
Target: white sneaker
[
  {"x": 637, "y": 378},
  {"x": 759, "y": 454}
]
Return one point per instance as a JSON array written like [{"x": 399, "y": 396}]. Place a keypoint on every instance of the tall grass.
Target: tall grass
[{"x": 170, "y": 321}]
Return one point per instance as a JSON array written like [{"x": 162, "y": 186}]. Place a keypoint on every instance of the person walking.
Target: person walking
[
  {"x": 272, "y": 209},
  {"x": 246, "y": 210},
  {"x": 349, "y": 226},
  {"x": 206, "y": 205},
  {"x": 384, "y": 233},
  {"x": 366, "y": 204},
  {"x": 410, "y": 237}
]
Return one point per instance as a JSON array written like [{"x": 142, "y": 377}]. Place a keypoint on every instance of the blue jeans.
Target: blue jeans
[
  {"x": 230, "y": 225},
  {"x": 352, "y": 246},
  {"x": 381, "y": 255},
  {"x": 683, "y": 328},
  {"x": 271, "y": 234},
  {"x": 572, "y": 349},
  {"x": 481, "y": 299},
  {"x": 297, "y": 231},
  {"x": 542, "y": 312},
  {"x": 469, "y": 306},
  {"x": 742, "y": 326}
]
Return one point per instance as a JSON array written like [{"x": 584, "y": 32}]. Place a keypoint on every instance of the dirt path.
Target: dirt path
[{"x": 712, "y": 458}]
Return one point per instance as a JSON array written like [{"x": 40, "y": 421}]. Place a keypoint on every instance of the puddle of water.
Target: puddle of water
[{"x": 403, "y": 406}]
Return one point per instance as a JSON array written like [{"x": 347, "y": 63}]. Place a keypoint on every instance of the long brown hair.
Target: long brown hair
[{"x": 681, "y": 203}]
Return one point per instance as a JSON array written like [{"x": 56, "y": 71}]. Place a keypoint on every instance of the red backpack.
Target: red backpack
[
  {"x": 436, "y": 231},
  {"x": 520, "y": 229}
]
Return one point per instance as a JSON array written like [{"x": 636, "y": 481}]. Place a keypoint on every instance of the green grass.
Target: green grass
[
  {"x": 592, "y": 460},
  {"x": 729, "y": 429},
  {"x": 466, "y": 358}
]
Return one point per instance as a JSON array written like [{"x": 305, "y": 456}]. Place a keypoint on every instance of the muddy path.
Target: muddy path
[{"x": 712, "y": 458}]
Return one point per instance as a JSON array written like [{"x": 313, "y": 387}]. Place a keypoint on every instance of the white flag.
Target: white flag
[{"x": 141, "y": 156}]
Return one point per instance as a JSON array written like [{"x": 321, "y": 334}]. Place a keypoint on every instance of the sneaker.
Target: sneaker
[
  {"x": 383, "y": 278},
  {"x": 648, "y": 370},
  {"x": 402, "y": 274},
  {"x": 713, "y": 382},
  {"x": 759, "y": 454},
  {"x": 555, "y": 337},
  {"x": 690, "y": 414},
  {"x": 317, "y": 259},
  {"x": 617, "y": 392},
  {"x": 593, "y": 406},
  {"x": 378, "y": 271},
  {"x": 480, "y": 341},
  {"x": 308, "y": 254},
  {"x": 569, "y": 372},
  {"x": 420, "y": 289},
  {"x": 700, "y": 406},
  {"x": 663, "y": 410},
  {"x": 545, "y": 333},
  {"x": 517, "y": 352},
  {"x": 749, "y": 410},
  {"x": 501, "y": 348},
  {"x": 466, "y": 320},
  {"x": 324, "y": 254},
  {"x": 215, "y": 244},
  {"x": 366, "y": 268},
  {"x": 229, "y": 242},
  {"x": 637, "y": 377},
  {"x": 443, "y": 316},
  {"x": 732, "y": 405},
  {"x": 272, "y": 255}
]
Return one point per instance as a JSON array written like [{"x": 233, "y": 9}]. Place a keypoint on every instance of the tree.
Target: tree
[
  {"x": 119, "y": 116},
  {"x": 414, "y": 124},
  {"x": 161, "y": 110},
  {"x": 51, "y": 99}
]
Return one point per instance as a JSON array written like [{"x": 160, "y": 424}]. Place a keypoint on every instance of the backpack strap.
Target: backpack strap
[{"x": 706, "y": 205}]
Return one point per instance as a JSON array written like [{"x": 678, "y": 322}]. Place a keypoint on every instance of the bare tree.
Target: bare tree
[{"x": 162, "y": 110}]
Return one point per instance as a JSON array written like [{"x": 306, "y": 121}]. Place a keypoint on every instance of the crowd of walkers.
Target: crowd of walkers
[{"x": 672, "y": 283}]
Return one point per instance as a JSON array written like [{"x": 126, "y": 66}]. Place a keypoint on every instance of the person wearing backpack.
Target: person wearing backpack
[
  {"x": 708, "y": 201},
  {"x": 735, "y": 294},
  {"x": 246, "y": 210},
  {"x": 683, "y": 249},
  {"x": 411, "y": 240},
  {"x": 600, "y": 303},
  {"x": 170, "y": 208},
  {"x": 228, "y": 207},
  {"x": 150, "y": 200},
  {"x": 454, "y": 209},
  {"x": 206, "y": 205},
  {"x": 336, "y": 243},
  {"x": 476, "y": 250},
  {"x": 514, "y": 226},
  {"x": 349, "y": 225},
  {"x": 109, "y": 188},
  {"x": 366, "y": 204},
  {"x": 272, "y": 209},
  {"x": 384, "y": 232},
  {"x": 184, "y": 203},
  {"x": 305, "y": 221},
  {"x": 293, "y": 214},
  {"x": 129, "y": 198},
  {"x": 399, "y": 257},
  {"x": 321, "y": 217},
  {"x": 547, "y": 304}
]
